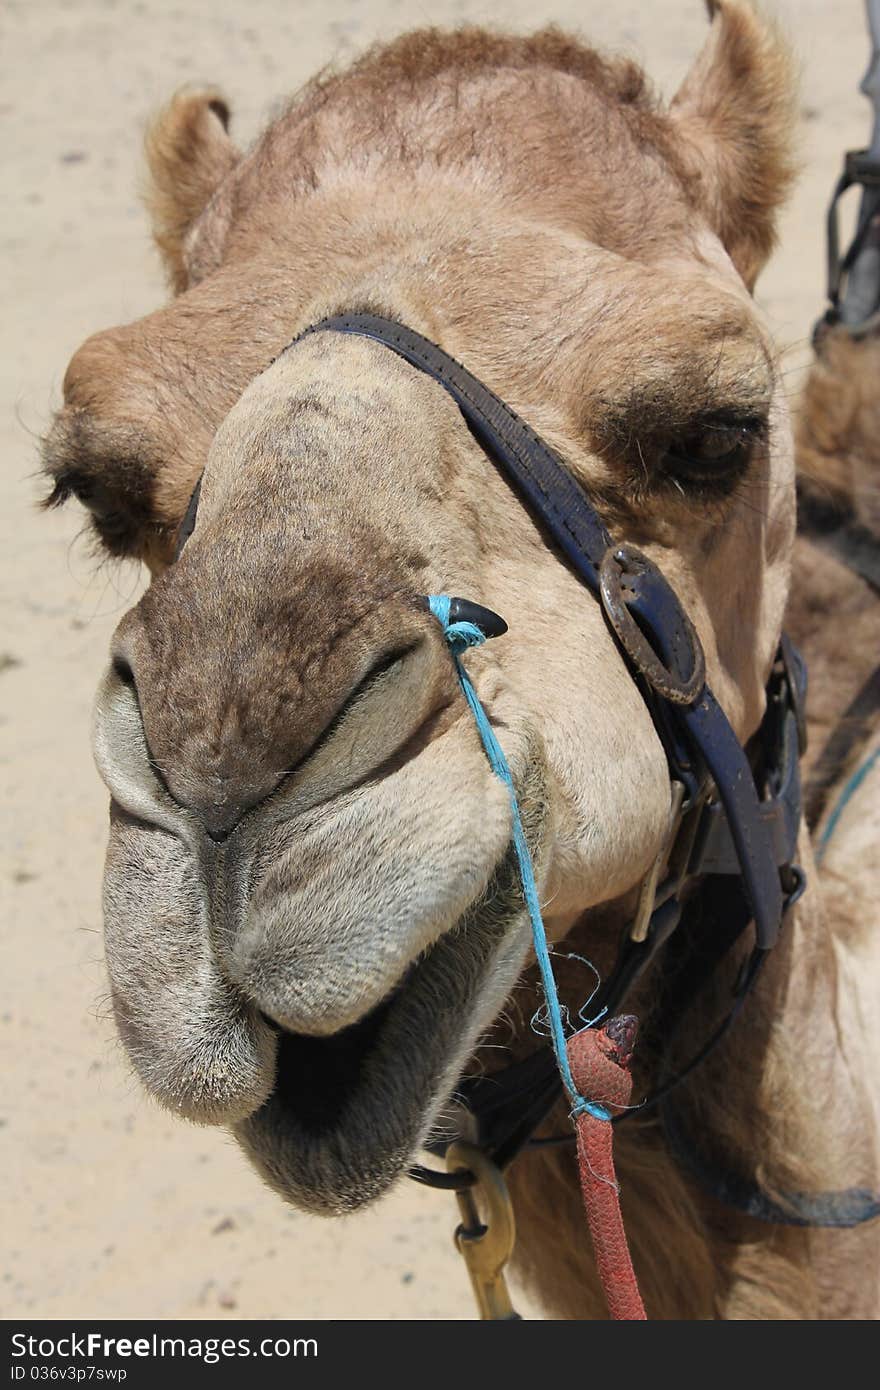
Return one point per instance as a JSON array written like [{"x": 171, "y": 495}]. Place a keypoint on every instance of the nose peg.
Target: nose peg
[{"x": 464, "y": 610}]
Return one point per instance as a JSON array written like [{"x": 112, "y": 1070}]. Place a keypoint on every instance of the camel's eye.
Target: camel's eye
[{"x": 716, "y": 452}]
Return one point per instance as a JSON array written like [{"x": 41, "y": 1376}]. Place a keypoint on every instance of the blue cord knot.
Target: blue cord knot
[
  {"x": 590, "y": 1107},
  {"x": 460, "y": 636}
]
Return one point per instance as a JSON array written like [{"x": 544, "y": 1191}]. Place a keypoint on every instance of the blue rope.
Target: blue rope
[
  {"x": 849, "y": 790},
  {"x": 460, "y": 636}
]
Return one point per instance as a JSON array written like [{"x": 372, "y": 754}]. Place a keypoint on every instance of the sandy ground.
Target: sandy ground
[{"x": 114, "y": 1208}]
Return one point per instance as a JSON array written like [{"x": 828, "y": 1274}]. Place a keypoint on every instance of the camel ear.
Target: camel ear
[
  {"x": 736, "y": 111},
  {"x": 189, "y": 154}
]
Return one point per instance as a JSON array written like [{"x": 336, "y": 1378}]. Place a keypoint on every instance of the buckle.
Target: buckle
[
  {"x": 794, "y": 883},
  {"x": 631, "y": 583}
]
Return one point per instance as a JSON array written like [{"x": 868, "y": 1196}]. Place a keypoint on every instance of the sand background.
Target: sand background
[{"x": 113, "y": 1208}]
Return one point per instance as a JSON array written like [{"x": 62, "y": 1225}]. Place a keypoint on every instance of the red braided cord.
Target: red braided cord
[{"x": 599, "y": 1060}]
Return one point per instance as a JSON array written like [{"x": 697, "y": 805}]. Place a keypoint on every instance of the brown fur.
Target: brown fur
[
  {"x": 839, "y": 428},
  {"x": 291, "y": 213},
  {"x": 724, "y": 1263},
  {"x": 695, "y": 1258}
]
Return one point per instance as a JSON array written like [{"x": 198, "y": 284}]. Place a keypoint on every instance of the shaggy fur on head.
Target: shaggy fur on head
[
  {"x": 541, "y": 128},
  {"x": 839, "y": 431}
]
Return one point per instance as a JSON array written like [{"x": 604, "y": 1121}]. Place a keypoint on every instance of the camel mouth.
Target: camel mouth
[
  {"x": 319, "y": 983},
  {"x": 319, "y": 1080},
  {"x": 349, "y": 1111},
  {"x": 317, "y": 1077}
]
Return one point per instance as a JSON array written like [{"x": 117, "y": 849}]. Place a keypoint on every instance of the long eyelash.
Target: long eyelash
[{"x": 754, "y": 425}]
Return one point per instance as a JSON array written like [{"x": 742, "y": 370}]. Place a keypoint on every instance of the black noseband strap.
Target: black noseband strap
[{"x": 544, "y": 484}]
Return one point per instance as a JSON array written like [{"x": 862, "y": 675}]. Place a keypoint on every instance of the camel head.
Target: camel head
[{"x": 311, "y": 911}]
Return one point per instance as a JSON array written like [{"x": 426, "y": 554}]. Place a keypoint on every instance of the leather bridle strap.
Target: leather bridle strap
[
  {"x": 857, "y": 547},
  {"x": 850, "y": 541},
  {"x": 862, "y": 168},
  {"x": 752, "y": 840},
  {"x": 653, "y": 631},
  {"x": 550, "y": 492},
  {"x": 850, "y": 731},
  {"x": 557, "y": 500}
]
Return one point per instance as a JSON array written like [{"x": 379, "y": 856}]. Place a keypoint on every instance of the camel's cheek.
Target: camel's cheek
[
  {"x": 613, "y": 808},
  {"x": 198, "y": 1047},
  {"x": 607, "y": 774}
]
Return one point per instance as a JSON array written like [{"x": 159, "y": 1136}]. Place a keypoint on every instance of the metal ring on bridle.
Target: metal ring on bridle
[{"x": 625, "y": 560}]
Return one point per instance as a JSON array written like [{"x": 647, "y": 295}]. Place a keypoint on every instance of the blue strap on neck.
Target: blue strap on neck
[
  {"x": 460, "y": 636},
  {"x": 848, "y": 791}
]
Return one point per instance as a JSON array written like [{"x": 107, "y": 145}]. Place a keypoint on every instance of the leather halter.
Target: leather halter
[
  {"x": 753, "y": 838},
  {"x": 723, "y": 827},
  {"x": 861, "y": 168}
]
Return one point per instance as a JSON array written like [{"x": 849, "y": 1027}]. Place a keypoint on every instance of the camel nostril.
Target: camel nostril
[
  {"x": 220, "y": 734},
  {"x": 221, "y": 798},
  {"x": 124, "y": 672}
]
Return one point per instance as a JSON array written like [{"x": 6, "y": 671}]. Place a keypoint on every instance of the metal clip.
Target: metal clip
[{"x": 486, "y": 1245}]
